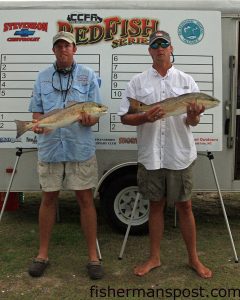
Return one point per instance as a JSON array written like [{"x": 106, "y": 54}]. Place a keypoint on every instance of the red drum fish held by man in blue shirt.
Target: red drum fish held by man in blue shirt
[{"x": 63, "y": 117}]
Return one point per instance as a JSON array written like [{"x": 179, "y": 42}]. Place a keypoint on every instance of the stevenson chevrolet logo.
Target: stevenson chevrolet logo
[{"x": 24, "y": 31}]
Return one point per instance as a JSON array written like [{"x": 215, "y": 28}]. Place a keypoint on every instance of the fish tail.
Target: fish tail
[
  {"x": 22, "y": 127},
  {"x": 135, "y": 106}
]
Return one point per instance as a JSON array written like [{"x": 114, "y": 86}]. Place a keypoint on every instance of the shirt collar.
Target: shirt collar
[{"x": 169, "y": 72}]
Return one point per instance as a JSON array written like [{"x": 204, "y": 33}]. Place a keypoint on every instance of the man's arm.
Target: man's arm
[
  {"x": 152, "y": 115},
  {"x": 87, "y": 120},
  {"x": 193, "y": 114},
  {"x": 36, "y": 116}
]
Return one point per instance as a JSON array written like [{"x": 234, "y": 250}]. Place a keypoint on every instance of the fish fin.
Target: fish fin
[
  {"x": 52, "y": 112},
  {"x": 71, "y": 103},
  {"x": 135, "y": 106},
  {"x": 22, "y": 127}
]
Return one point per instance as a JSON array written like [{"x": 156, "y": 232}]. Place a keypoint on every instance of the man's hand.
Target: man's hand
[
  {"x": 151, "y": 116},
  {"x": 40, "y": 130},
  {"x": 193, "y": 113},
  {"x": 87, "y": 120},
  {"x": 154, "y": 114}
]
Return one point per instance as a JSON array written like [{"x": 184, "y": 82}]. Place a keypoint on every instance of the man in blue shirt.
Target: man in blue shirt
[{"x": 66, "y": 156}]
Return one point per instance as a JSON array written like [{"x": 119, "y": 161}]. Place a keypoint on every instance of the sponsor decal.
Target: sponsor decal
[
  {"x": 127, "y": 140},
  {"x": 24, "y": 31},
  {"x": 9, "y": 140},
  {"x": 31, "y": 140},
  {"x": 191, "y": 31},
  {"x": 121, "y": 32},
  {"x": 80, "y": 18},
  {"x": 206, "y": 141},
  {"x": 105, "y": 141}
]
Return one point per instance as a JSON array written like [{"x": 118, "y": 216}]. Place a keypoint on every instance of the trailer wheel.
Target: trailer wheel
[{"x": 117, "y": 202}]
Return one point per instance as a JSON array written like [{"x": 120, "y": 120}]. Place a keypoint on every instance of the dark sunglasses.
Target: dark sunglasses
[{"x": 162, "y": 44}]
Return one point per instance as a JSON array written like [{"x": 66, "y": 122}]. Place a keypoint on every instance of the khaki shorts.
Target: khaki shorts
[
  {"x": 68, "y": 175},
  {"x": 174, "y": 185}
]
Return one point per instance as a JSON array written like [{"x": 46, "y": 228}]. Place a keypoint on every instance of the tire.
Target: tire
[{"x": 117, "y": 202}]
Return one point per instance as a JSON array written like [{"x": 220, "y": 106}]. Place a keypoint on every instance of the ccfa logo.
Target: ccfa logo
[{"x": 191, "y": 31}]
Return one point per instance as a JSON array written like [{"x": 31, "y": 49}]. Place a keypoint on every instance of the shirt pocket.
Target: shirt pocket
[
  {"x": 49, "y": 99},
  {"x": 145, "y": 94},
  {"x": 80, "y": 91},
  {"x": 177, "y": 91}
]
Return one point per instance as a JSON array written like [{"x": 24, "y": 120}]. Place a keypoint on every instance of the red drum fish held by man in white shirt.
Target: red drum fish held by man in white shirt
[{"x": 175, "y": 105}]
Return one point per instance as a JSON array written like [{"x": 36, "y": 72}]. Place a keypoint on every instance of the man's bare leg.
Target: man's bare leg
[
  {"x": 47, "y": 216},
  {"x": 188, "y": 229},
  {"x": 88, "y": 221},
  {"x": 156, "y": 228}
]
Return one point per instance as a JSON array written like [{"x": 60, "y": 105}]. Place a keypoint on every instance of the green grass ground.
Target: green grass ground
[{"x": 66, "y": 277}]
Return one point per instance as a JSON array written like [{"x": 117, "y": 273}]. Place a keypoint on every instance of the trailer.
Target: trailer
[{"x": 112, "y": 39}]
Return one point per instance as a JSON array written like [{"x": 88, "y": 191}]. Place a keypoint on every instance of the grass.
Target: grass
[{"x": 66, "y": 278}]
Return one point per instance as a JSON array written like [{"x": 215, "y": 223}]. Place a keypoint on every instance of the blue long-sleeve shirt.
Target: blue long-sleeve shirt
[{"x": 74, "y": 142}]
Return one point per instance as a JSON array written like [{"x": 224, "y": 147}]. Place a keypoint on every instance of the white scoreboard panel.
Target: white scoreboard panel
[{"x": 114, "y": 44}]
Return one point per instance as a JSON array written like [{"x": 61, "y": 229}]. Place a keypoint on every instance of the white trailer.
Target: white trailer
[{"x": 112, "y": 39}]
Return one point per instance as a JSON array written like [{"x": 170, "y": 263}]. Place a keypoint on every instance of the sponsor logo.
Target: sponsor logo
[
  {"x": 105, "y": 141},
  {"x": 121, "y": 32},
  {"x": 78, "y": 18},
  {"x": 31, "y": 140},
  {"x": 191, "y": 31},
  {"x": 127, "y": 140},
  {"x": 24, "y": 31},
  {"x": 9, "y": 140}
]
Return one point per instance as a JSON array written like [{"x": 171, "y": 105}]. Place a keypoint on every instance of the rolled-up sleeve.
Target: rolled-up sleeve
[{"x": 129, "y": 92}]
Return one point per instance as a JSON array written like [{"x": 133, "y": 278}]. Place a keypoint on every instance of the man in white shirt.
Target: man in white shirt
[{"x": 166, "y": 149}]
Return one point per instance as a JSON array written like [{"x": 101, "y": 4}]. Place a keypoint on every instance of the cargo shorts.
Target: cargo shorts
[
  {"x": 68, "y": 175},
  {"x": 173, "y": 185}
]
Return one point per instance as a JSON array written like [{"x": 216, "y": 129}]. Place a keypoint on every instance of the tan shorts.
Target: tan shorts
[
  {"x": 68, "y": 175},
  {"x": 174, "y": 185}
]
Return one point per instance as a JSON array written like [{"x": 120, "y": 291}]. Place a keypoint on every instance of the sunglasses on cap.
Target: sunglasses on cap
[{"x": 162, "y": 44}]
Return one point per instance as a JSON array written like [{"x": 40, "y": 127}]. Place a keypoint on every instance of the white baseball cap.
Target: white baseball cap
[{"x": 64, "y": 35}]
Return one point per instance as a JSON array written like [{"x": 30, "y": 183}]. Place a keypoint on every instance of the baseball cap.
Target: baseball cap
[
  {"x": 160, "y": 34},
  {"x": 64, "y": 35}
]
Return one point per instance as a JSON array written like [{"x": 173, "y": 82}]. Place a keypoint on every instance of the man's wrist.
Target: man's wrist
[{"x": 191, "y": 121}]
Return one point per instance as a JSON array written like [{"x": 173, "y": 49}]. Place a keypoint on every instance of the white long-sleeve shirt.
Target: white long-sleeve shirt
[{"x": 168, "y": 142}]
